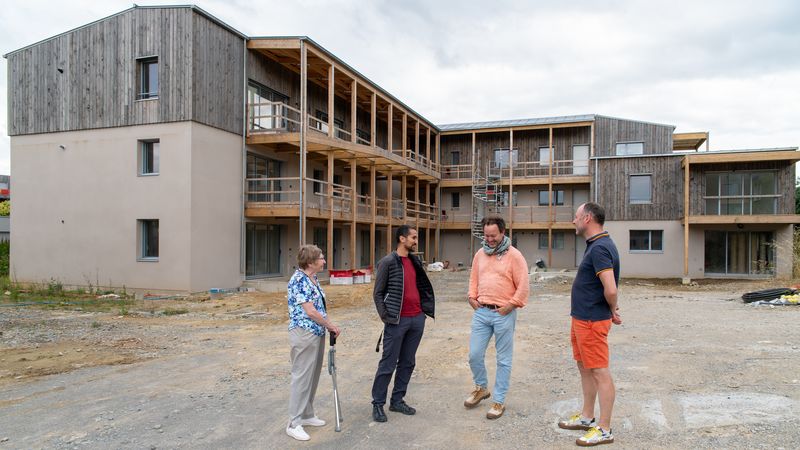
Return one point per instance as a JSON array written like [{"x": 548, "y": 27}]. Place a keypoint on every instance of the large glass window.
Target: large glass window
[
  {"x": 147, "y": 72},
  {"x": 731, "y": 193},
  {"x": 455, "y": 200},
  {"x": 148, "y": 239},
  {"x": 629, "y": 148},
  {"x": 641, "y": 189},
  {"x": 263, "y": 183},
  {"x": 646, "y": 241},
  {"x": 739, "y": 252},
  {"x": 267, "y": 108}
]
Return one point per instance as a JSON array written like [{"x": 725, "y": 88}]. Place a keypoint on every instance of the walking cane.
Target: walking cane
[{"x": 332, "y": 371}]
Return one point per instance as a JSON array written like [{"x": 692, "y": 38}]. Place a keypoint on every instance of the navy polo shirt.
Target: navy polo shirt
[{"x": 588, "y": 300}]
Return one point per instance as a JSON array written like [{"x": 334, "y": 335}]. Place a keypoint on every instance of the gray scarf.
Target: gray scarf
[{"x": 501, "y": 248}]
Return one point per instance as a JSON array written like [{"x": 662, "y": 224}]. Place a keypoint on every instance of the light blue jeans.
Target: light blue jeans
[{"x": 486, "y": 322}]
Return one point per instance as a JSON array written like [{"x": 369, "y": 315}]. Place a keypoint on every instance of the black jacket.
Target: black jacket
[{"x": 388, "y": 291}]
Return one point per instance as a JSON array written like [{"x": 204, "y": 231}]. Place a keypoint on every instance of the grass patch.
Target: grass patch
[
  {"x": 52, "y": 295},
  {"x": 175, "y": 311}
]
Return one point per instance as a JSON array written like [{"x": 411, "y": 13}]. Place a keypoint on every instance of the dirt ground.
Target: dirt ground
[{"x": 693, "y": 365}]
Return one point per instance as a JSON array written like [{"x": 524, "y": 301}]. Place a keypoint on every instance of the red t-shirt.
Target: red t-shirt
[{"x": 411, "y": 306}]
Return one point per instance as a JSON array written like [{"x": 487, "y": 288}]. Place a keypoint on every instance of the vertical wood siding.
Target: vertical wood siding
[
  {"x": 609, "y": 131},
  {"x": 613, "y": 188}
]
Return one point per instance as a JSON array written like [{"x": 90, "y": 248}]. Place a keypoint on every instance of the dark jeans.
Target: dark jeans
[{"x": 400, "y": 343}]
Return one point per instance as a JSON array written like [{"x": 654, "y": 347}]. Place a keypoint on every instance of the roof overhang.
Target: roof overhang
[
  {"x": 788, "y": 155},
  {"x": 689, "y": 141}
]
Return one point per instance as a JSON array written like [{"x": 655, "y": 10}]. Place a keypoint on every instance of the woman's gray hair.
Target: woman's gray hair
[{"x": 307, "y": 254}]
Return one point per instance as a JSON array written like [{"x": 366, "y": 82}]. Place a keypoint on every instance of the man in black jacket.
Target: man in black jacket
[{"x": 403, "y": 297}]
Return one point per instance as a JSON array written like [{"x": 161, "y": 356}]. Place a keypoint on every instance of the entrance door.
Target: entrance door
[{"x": 263, "y": 250}]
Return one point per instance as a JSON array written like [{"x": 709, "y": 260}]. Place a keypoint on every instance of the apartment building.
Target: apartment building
[{"x": 160, "y": 148}]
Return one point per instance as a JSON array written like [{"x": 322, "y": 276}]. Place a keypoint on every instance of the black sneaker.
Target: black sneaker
[
  {"x": 402, "y": 407},
  {"x": 377, "y": 413}
]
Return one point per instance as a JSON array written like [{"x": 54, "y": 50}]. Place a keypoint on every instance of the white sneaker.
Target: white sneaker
[
  {"x": 313, "y": 422},
  {"x": 297, "y": 432}
]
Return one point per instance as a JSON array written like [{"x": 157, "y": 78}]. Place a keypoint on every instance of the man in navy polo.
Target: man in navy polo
[{"x": 594, "y": 308}]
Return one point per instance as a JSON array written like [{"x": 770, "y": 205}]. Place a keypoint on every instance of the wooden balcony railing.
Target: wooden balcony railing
[{"x": 278, "y": 117}]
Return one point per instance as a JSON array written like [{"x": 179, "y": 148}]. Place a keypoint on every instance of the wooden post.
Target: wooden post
[
  {"x": 329, "y": 253},
  {"x": 303, "y": 146},
  {"x": 686, "y": 213},
  {"x": 389, "y": 195},
  {"x": 389, "y": 127},
  {"x": 373, "y": 106},
  {"x": 330, "y": 101},
  {"x": 353, "y": 208},
  {"x": 416, "y": 141},
  {"x": 416, "y": 202},
  {"x": 404, "y": 140},
  {"x": 353, "y": 111},
  {"x": 438, "y": 224},
  {"x": 428, "y": 148},
  {"x": 511, "y": 183},
  {"x": 374, "y": 205},
  {"x": 404, "y": 198},
  {"x": 550, "y": 202},
  {"x": 428, "y": 221}
]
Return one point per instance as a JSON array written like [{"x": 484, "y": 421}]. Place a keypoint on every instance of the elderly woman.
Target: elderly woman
[{"x": 308, "y": 321}]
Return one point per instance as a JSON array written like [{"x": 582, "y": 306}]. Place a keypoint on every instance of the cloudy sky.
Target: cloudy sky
[{"x": 728, "y": 67}]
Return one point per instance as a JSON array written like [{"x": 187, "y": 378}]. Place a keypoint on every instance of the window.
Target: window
[
  {"x": 455, "y": 158},
  {"x": 630, "y": 148},
  {"x": 558, "y": 198},
  {"x": 647, "y": 241},
  {"x": 148, "y": 239},
  {"x": 544, "y": 156},
  {"x": 729, "y": 193},
  {"x": 558, "y": 241},
  {"x": 640, "y": 189},
  {"x": 147, "y": 69},
  {"x": 263, "y": 179},
  {"x": 317, "y": 184},
  {"x": 148, "y": 157},
  {"x": 267, "y": 111},
  {"x": 455, "y": 200},
  {"x": 501, "y": 158}
]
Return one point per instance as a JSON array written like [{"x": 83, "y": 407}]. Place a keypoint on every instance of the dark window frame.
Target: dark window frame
[{"x": 147, "y": 82}]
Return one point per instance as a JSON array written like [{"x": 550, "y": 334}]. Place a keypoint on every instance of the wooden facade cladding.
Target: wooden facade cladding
[
  {"x": 785, "y": 178},
  {"x": 613, "y": 187},
  {"x": 609, "y": 131},
  {"x": 217, "y": 72},
  {"x": 87, "y": 78}
]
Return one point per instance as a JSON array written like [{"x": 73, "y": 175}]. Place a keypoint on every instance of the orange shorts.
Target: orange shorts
[{"x": 590, "y": 342}]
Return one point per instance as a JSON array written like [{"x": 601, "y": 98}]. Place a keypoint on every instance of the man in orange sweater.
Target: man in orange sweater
[{"x": 498, "y": 285}]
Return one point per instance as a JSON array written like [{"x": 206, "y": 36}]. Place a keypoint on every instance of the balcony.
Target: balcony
[
  {"x": 273, "y": 122},
  {"x": 280, "y": 197},
  {"x": 524, "y": 172}
]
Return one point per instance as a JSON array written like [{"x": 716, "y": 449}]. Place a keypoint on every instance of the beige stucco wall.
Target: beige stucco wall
[
  {"x": 216, "y": 193},
  {"x": 665, "y": 264},
  {"x": 76, "y": 209}
]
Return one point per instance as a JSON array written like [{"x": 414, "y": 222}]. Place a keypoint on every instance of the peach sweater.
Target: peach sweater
[{"x": 499, "y": 281}]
